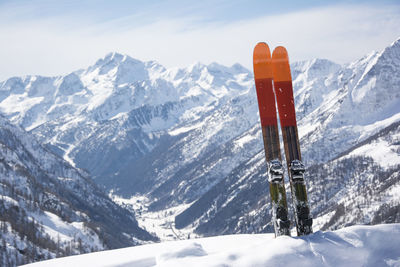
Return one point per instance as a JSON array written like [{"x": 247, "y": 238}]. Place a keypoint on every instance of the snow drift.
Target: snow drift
[{"x": 353, "y": 246}]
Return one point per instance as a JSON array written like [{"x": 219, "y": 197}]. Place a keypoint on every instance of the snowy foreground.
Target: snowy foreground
[{"x": 353, "y": 246}]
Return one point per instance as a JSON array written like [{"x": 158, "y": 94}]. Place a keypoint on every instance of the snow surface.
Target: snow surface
[
  {"x": 353, "y": 246},
  {"x": 381, "y": 152},
  {"x": 63, "y": 231}
]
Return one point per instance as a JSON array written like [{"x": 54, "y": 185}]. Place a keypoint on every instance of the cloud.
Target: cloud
[{"x": 55, "y": 45}]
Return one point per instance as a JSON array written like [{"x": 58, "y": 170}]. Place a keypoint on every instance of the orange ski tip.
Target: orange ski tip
[
  {"x": 280, "y": 52},
  {"x": 280, "y": 65},
  {"x": 261, "y": 49},
  {"x": 262, "y": 61}
]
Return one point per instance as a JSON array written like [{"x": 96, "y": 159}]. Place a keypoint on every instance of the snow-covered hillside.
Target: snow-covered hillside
[
  {"x": 353, "y": 246},
  {"x": 50, "y": 209},
  {"x": 361, "y": 185},
  {"x": 355, "y": 102}
]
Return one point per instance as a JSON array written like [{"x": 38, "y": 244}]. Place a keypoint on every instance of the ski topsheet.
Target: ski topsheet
[
  {"x": 287, "y": 116},
  {"x": 266, "y": 102}
]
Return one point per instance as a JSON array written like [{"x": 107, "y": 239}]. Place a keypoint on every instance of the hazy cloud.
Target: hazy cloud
[{"x": 61, "y": 44}]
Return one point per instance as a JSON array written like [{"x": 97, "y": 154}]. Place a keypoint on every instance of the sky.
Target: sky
[{"x": 46, "y": 37}]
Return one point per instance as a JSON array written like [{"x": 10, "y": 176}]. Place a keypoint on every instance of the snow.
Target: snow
[
  {"x": 58, "y": 229},
  {"x": 353, "y": 246},
  {"x": 67, "y": 158},
  {"x": 244, "y": 140},
  {"x": 9, "y": 202},
  {"x": 359, "y": 93},
  {"x": 394, "y": 192},
  {"x": 54, "y": 226},
  {"x": 185, "y": 129},
  {"x": 385, "y": 153},
  {"x": 19, "y": 103},
  {"x": 380, "y": 124},
  {"x": 157, "y": 124},
  {"x": 381, "y": 152}
]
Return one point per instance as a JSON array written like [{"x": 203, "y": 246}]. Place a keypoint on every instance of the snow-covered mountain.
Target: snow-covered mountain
[
  {"x": 360, "y": 186},
  {"x": 49, "y": 209},
  {"x": 115, "y": 112},
  {"x": 353, "y": 246},
  {"x": 355, "y": 101},
  {"x": 356, "y": 156},
  {"x": 188, "y": 140}
]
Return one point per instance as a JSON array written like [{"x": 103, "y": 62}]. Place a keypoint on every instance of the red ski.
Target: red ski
[{"x": 284, "y": 95}]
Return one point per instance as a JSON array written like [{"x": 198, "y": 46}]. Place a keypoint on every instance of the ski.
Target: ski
[
  {"x": 269, "y": 125},
  {"x": 287, "y": 116}
]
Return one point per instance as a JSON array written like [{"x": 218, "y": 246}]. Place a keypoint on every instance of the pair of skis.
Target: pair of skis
[{"x": 274, "y": 82}]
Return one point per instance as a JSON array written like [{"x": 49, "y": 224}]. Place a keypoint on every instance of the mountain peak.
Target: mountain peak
[
  {"x": 392, "y": 51},
  {"x": 315, "y": 63},
  {"x": 314, "y": 67},
  {"x": 239, "y": 68},
  {"x": 123, "y": 68},
  {"x": 196, "y": 66},
  {"x": 112, "y": 56},
  {"x": 115, "y": 57},
  {"x": 396, "y": 42}
]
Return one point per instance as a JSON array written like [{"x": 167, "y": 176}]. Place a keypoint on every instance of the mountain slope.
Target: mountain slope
[
  {"x": 50, "y": 209},
  {"x": 361, "y": 98},
  {"x": 368, "y": 175},
  {"x": 358, "y": 187}
]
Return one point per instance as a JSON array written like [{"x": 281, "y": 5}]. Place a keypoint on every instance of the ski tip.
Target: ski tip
[
  {"x": 280, "y": 65},
  {"x": 280, "y": 52},
  {"x": 262, "y": 61},
  {"x": 262, "y": 48}
]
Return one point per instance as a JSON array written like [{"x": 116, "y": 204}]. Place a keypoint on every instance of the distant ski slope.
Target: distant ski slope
[{"x": 353, "y": 246}]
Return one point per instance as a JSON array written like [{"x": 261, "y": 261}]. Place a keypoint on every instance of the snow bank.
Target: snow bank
[{"x": 353, "y": 246}]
